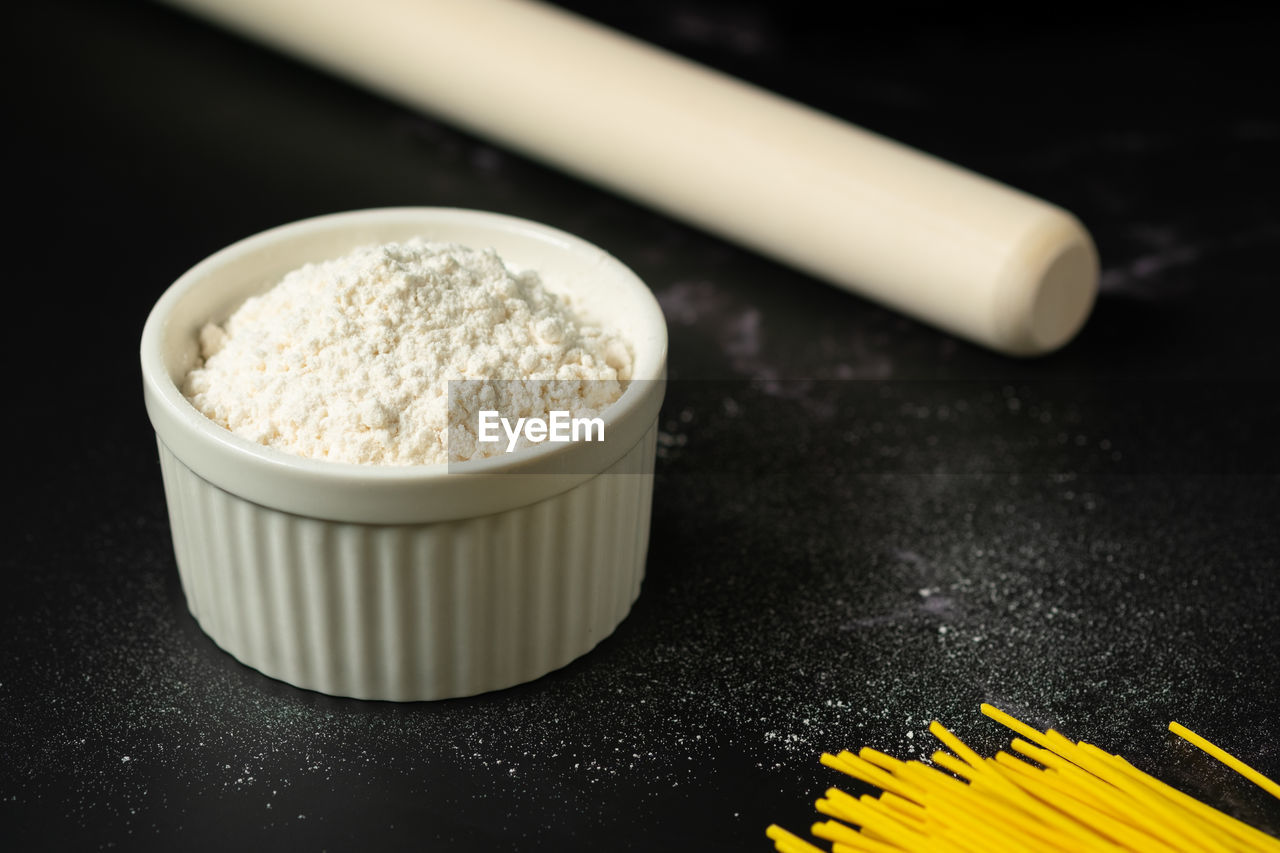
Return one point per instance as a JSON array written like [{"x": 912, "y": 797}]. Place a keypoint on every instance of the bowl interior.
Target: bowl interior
[{"x": 600, "y": 288}]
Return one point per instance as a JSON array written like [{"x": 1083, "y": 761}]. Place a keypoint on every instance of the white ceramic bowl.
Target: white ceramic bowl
[{"x": 409, "y": 582}]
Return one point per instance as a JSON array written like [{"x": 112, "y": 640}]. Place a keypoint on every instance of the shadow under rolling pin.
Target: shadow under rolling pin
[{"x": 950, "y": 247}]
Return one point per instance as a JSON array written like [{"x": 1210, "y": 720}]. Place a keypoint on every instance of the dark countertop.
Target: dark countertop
[{"x": 860, "y": 524}]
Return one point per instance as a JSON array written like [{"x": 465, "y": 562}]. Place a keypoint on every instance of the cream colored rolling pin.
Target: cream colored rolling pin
[{"x": 950, "y": 247}]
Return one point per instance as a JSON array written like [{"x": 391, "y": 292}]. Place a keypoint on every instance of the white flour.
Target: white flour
[{"x": 349, "y": 360}]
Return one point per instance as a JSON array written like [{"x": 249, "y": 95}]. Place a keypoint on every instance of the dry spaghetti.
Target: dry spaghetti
[{"x": 1069, "y": 796}]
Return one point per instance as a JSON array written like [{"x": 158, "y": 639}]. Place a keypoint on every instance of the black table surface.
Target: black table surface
[{"x": 860, "y": 523}]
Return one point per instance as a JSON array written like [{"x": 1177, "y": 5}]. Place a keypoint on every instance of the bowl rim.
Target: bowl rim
[{"x": 396, "y": 493}]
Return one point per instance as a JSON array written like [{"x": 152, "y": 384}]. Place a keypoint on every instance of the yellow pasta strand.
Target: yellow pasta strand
[
  {"x": 1169, "y": 820},
  {"x": 1238, "y": 829},
  {"x": 1082, "y": 783},
  {"x": 781, "y": 837},
  {"x": 834, "y": 805},
  {"x": 974, "y": 844},
  {"x": 1009, "y": 722},
  {"x": 956, "y": 822},
  {"x": 1076, "y": 798},
  {"x": 892, "y": 830},
  {"x": 850, "y": 838},
  {"x": 862, "y": 846},
  {"x": 1001, "y": 789},
  {"x": 1172, "y": 828},
  {"x": 953, "y": 805},
  {"x": 863, "y": 770},
  {"x": 1065, "y": 785},
  {"x": 1048, "y": 758},
  {"x": 955, "y": 765},
  {"x": 910, "y": 811},
  {"x": 1117, "y": 831},
  {"x": 880, "y": 759},
  {"x": 1226, "y": 758}
]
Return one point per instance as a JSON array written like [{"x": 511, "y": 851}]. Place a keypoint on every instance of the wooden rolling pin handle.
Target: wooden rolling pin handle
[{"x": 955, "y": 249}]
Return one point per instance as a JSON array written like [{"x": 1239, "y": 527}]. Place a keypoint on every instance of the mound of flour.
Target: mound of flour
[{"x": 349, "y": 360}]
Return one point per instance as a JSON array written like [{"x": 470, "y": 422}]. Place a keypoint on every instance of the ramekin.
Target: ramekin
[{"x": 406, "y": 582}]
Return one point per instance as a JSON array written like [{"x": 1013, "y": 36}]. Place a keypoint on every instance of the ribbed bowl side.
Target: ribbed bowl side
[{"x": 408, "y": 612}]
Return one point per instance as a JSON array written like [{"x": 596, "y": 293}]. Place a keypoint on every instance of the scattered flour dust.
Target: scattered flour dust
[{"x": 349, "y": 360}]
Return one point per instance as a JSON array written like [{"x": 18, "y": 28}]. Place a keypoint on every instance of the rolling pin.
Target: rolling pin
[{"x": 960, "y": 251}]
